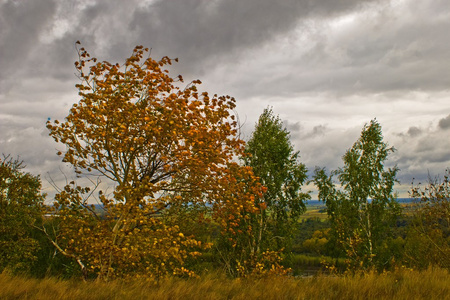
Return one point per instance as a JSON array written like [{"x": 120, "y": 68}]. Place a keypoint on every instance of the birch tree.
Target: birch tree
[
  {"x": 363, "y": 204},
  {"x": 275, "y": 162}
]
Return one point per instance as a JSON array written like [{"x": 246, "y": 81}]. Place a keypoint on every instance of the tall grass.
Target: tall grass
[{"x": 403, "y": 284}]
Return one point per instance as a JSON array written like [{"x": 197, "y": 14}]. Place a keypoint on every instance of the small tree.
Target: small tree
[
  {"x": 273, "y": 159},
  {"x": 20, "y": 208},
  {"x": 365, "y": 205},
  {"x": 428, "y": 239},
  {"x": 161, "y": 146}
]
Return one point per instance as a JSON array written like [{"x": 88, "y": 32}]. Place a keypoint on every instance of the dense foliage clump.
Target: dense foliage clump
[{"x": 20, "y": 209}]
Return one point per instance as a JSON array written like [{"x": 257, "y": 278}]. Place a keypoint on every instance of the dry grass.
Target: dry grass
[{"x": 404, "y": 284}]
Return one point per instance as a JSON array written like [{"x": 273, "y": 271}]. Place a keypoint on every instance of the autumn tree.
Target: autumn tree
[
  {"x": 363, "y": 205},
  {"x": 160, "y": 145},
  {"x": 20, "y": 208},
  {"x": 275, "y": 162},
  {"x": 428, "y": 238}
]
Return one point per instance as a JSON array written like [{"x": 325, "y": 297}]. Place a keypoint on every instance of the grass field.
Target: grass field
[
  {"x": 402, "y": 284},
  {"x": 314, "y": 211},
  {"x": 319, "y": 210}
]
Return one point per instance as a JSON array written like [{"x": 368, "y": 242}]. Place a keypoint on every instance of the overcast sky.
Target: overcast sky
[{"x": 326, "y": 67}]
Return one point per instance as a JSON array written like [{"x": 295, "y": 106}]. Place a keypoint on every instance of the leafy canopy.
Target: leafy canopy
[
  {"x": 273, "y": 159},
  {"x": 365, "y": 205},
  {"x": 161, "y": 145},
  {"x": 20, "y": 208}
]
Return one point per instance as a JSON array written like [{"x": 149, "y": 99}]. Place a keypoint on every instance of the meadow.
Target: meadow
[
  {"x": 314, "y": 211},
  {"x": 432, "y": 283}
]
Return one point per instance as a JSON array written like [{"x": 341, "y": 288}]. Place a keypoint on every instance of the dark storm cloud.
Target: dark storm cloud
[
  {"x": 20, "y": 25},
  {"x": 383, "y": 52},
  {"x": 203, "y": 34},
  {"x": 193, "y": 30},
  {"x": 333, "y": 62},
  {"x": 391, "y": 48},
  {"x": 202, "y": 30}
]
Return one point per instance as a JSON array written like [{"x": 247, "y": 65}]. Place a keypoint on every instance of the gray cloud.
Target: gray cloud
[
  {"x": 422, "y": 152},
  {"x": 20, "y": 25},
  {"x": 372, "y": 56},
  {"x": 318, "y": 130},
  {"x": 200, "y": 31},
  {"x": 444, "y": 123},
  {"x": 339, "y": 63},
  {"x": 293, "y": 128},
  {"x": 373, "y": 50},
  {"x": 414, "y": 131}
]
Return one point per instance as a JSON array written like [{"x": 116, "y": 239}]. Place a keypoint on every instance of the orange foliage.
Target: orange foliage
[{"x": 160, "y": 145}]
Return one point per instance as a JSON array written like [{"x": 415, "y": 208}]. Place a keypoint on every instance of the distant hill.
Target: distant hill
[{"x": 399, "y": 200}]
